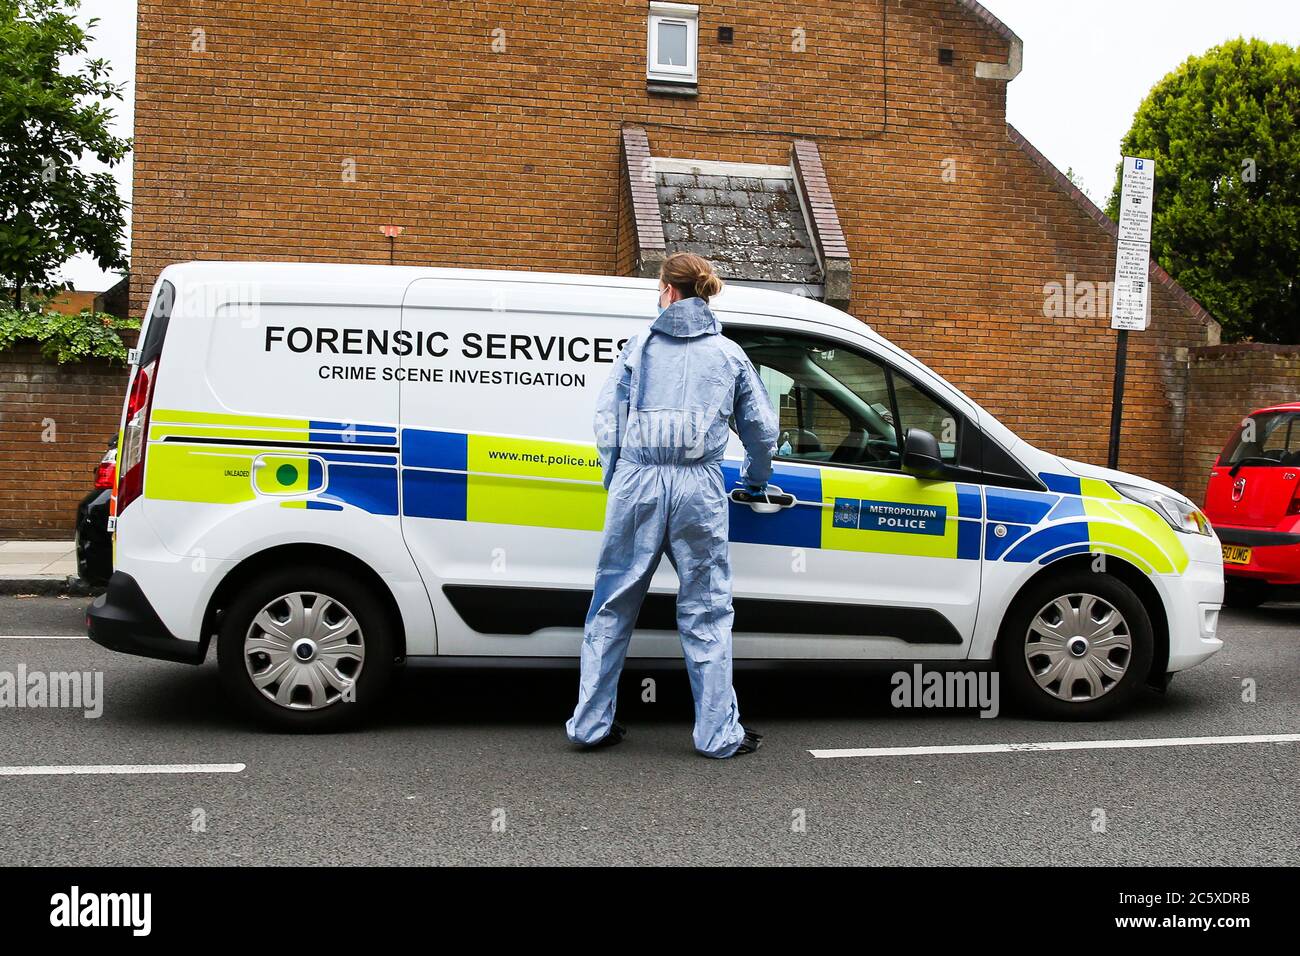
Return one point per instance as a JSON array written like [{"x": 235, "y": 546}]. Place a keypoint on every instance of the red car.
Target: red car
[{"x": 1253, "y": 501}]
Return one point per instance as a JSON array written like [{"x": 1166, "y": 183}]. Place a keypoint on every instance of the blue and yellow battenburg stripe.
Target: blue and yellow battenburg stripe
[
  {"x": 846, "y": 510},
  {"x": 197, "y": 457},
  {"x": 501, "y": 480},
  {"x": 1077, "y": 516},
  {"x": 498, "y": 479}
]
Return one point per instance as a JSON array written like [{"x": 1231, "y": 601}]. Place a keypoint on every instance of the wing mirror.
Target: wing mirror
[{"x": 921, "y": 455}]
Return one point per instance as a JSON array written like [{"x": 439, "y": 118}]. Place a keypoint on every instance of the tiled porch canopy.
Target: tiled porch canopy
[{"x": 761, "y": 225}]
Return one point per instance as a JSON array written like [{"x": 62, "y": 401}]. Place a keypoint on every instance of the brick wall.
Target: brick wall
[
  {"x": 71, "y": 302},
  {"x": 1227, "y": 383},
  {"x": 55, "y": 423},
  {"x": 510, "y": 157}
]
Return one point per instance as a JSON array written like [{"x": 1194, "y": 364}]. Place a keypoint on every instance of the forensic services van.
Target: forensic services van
[{"x": 335, "y": 471}]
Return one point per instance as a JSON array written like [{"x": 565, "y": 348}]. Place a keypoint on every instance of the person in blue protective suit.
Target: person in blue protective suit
[{"x": 661, "y": 429}]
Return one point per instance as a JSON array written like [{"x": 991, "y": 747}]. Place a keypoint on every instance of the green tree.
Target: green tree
[
  {"x": 53, "y": 111},
  {"x": 1224, "y": 130}
]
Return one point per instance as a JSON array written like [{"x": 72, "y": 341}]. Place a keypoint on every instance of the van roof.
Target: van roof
[
  {"x": 390, "y": 282},
  {"x": 734, "y": 298}
]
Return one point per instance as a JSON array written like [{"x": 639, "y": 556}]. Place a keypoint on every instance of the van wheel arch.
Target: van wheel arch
[
  {"x": 1136, "y": 580},
  {"x": 303, "y": 554}
]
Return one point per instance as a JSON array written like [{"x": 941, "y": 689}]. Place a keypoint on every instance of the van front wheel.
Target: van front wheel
[
  {"x": 1076, "y": 647},
  {"x": 305, "y": 649}
]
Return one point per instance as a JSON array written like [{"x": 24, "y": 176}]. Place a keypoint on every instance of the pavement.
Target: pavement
[
  {"x": 40, "y": 567},
  {"x": 473, "y": 768}
]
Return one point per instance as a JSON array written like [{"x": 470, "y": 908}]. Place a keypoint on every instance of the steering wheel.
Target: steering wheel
[
  {"x": 855, "y": 447},
  {"x": 804, "y": 441}
]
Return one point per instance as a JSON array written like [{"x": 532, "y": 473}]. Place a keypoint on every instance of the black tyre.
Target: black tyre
[
  {"x": 306, "y": 649},
  {"x": 1244, "y": 594},
  {"x": 1075, "y": 647}
]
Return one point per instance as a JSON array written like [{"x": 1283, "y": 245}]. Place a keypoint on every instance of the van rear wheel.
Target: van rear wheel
[
  {"x": 306, "y": 649},
  {"x": 1076, "y": 647}
]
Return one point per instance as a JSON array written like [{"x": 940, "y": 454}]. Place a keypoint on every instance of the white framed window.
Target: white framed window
[{"x": 673, "y": 42}]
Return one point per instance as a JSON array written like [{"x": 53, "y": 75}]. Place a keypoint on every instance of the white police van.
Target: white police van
[{"x": 337, "y": 470}]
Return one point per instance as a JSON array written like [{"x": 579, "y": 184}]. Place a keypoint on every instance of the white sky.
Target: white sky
[
  {"x": 1088, "y": 65},
  {"x": 115, "y": 42}
]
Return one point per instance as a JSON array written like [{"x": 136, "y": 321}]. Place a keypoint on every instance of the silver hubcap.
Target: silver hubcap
[
  {"x": 304, "y": 651},
  {"x": 1078, "y": 647}
]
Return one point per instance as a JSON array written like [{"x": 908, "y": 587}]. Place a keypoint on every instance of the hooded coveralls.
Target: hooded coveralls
[{"x": 661, "y": 429}]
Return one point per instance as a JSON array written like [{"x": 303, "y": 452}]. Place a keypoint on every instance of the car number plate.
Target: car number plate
[{"x": 1234, "y": 555}]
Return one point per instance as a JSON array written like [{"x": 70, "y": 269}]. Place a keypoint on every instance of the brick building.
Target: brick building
[{"x": 856, "y": 151}]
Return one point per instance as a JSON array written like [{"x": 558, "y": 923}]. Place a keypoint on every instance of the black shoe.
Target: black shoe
[
  {"x": 751, "y": 743},
  {"x": 615, "y": 736}
]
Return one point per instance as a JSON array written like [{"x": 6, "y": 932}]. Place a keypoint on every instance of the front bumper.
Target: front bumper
[
  {"x": 1192, "y": 603},
  {"x": 122, "y": 619},
  {"x": 1274, "y": 555}
]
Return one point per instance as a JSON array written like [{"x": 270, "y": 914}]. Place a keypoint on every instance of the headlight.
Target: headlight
[{"x": 1181, "y": 515}]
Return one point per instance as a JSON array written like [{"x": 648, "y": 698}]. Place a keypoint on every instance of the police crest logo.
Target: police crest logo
[{"x": 846, "y": 513}]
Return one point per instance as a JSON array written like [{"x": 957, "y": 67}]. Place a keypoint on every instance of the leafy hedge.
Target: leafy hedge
[{"x": 66, "y": 338}]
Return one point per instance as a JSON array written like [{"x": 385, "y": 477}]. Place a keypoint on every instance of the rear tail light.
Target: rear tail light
[
  {"x": 135, "y": 436},
  {"x": 1294, "y": 507},
  {"x": 106, "y": 473}
]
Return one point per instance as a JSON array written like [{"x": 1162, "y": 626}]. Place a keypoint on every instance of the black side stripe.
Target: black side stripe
[
  {"x": 517, "y": 610},
  {"x": 318, "y": 445}
]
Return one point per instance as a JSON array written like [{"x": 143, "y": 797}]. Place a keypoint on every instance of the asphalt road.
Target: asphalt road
[{"x": 474, "y": 768}]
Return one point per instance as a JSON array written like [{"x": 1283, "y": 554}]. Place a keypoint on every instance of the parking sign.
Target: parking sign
[{"x": 1130, "y": 303}]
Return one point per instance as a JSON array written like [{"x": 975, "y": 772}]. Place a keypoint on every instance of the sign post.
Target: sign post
[
  {"x": 1130, "y": 304},
  {"x": 392, "y": 232}
]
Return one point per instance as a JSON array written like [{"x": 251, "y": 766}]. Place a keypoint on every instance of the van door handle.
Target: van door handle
[{"x": 765, "y": 502}]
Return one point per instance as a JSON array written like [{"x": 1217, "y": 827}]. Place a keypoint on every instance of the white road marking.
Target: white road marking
[
  {"x": 43, "y": 637},
  {"x": 1058, "y": 745},
  {"x": 125, "y": 768}
]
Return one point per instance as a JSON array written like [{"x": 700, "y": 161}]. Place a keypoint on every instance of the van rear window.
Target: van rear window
[{"x": 157, "y": 331}]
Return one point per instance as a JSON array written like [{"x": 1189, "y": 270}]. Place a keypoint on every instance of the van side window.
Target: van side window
[
  {"x": 834, "y": 404},
  {"x": 837, "y": 406},
  {"x": 916, "y": 409}
]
